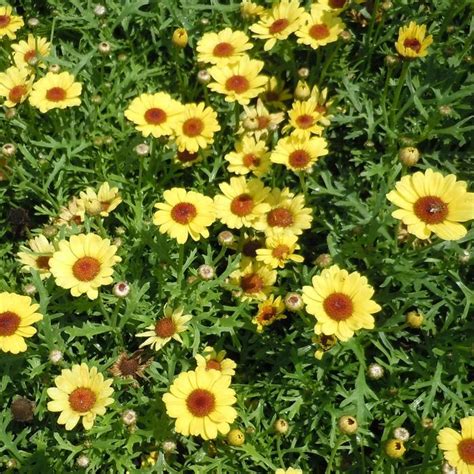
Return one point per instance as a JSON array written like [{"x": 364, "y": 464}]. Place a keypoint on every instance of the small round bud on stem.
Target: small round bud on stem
[
  {"x": 303, "y": 72},
  {"x": 226, "y": 238},
  {"x": 414, "y": 319},
  {"x": 82, "y": 461},
  {"x": 104, "y": 48},
  {"x": 180, "y": 37},
  {"x": 293, "y": 302},
  {"x": 203, "y": 77},
  {"x": 394, "y": 448},
  {"x": 281, "y": 426},
  {"x": 100, "y": 10},
  {"x": 206, "y": 272},
  {"x": 142, "y": 149},
  {"x": 375, "y": 371},
  {"x": 401, "y": 433},
  {"x": 347, "y": 424},
  {"x": 409, "y": 155},
  {"x": 8, "y": 150},
  {"x": 323, "y": 261},
  {"x": 129, "y": 417},
  {"x": 55, "y": 356},
  {"x": 121, "y": 289},
  {"x": 236, "y": 437}
]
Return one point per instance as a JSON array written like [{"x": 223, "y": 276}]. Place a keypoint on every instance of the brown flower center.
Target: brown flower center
[
  {"x": 466, "y": 450},
  {"x": 193, "y": 127},
  {"x": 252, "y": 283},
  {"x": 183, "y": 213},
  {"x": 263, "y": 121},
  {"x": 431, "y": 209},
  {"x": 86, "y": 268},
  {"x": 278, "y": 26},
  {"x": 223, "y": 50},
  {"x": 249, "y": 249},
  {"x": 4, "y": 21},
  {"x": 250, "y": 160},
  {"x": 338, "y": 306},
  {"x": 186, "y": 156},
  {"x": 271, "y": 96},
  {"x": 280, "y": 217},
  {"x": 16, "y": 93},
  {"x": 242, "y": 205},
  {"x": 128, "y": 366},
  {"x": 413, "y": 44},
  {"x": 213, "y": 364},
  {"x": 281, "y": 251},
  {"x": 304, "y": 121},
  {"x": 29, "y": 55},
  {"x": 336, "y": 3},
  {"x": 56, "y": 94},
  {"x": 155, "y": 116},
  {"x": 43, "y": 262},
  {"x": 82, "y": 399},
  {"x": 9, "y": 323},
  {"x": 201, "y": 402},
  {"x": 237, "y": 83},
  {"x": 319, "y": 32},
  {"x": 299, "y": 159},
  {"x": 266, "y": 314},
  {"x": 165, "y": 327},
  {"x": 321, "y": 109}
]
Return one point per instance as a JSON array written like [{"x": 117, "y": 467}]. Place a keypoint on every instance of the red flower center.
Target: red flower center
[
  {"x": 4, "y": 20},
  {"x": 82, "y": 399},
  {"x": 242, "y": 205},
  {"x": 280, "y": 217},
  {"x": 263, "y": 121},
  {"x": 29, "y": 55},
  {"x": 56, "y": 94},
  {"x": 201, "y": 402},
  {"x": 281, "y": 251},
  {"x": 193, "y": 127},
  {"x": 321, "y": 109},
  {"x": 238, "y": 84},
  {"x": 299, "y": 159},
  {"x": 278, "y": 26},
  {"x": 165, "y": 327},
  {"x": 319, "y": 32},
  {"x": 155, "y": 116},
  {"x": 338, "y": 306},
  {"x": 186, "y": 156},
  {"x": 213, "y": 364},
  {"x": 250, "y": 160},
  {"x": 249, "y": 249},
  {"x": 128, "y": 366},
  {"x": 305, "y": 121},
  {"x": 266, "y": 314},
  {"x": 9, "y": 323},
  {"x": 223, "y": 50},
  {"x": 413, "y": 44},
  {"x": 431, "y": 209},
  {"x": 16, "y": 93},
  {"x": 183, "y": 213},
  {"x": 251, "y": 283},
  {"x": 466, "y": 450},
  {"x": 86, "y": 268},
  {"x": 336, "y": 3},
  {"x": 43, "y": 262}
]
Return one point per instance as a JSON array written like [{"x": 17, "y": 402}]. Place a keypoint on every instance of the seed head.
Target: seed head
[
  {"x": 226, "y": 238},
  {"x": 30, "y": 289}
]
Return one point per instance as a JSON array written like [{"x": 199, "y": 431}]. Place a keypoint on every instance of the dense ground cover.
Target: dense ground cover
[{"x": 378, "y": 103}]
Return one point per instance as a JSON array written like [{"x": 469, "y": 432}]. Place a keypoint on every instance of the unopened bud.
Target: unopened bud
[
  {"x": 302, "y": 91},
  {"x": 129, "y": 417},
  {"x": 464, "y": 257},
  {"x": 104, "y": 47},
  {"x": 414, "y": 319},
  {"x": 303, "y": 72},
  {"x": 142, "y": 149},
  {"x": 281, "y": 426},
  {"x": 375, "y": 371},
  {"x": 49, "y": 231},
  {"x": 293, "y": 302},
  {"x": 204, "y": 21},
  {"x": 121, "y": 289},
  {"x": 391, "y": 60},
  {"x": 203, "y": 77},
  {"x": 409, "y": 155},
  {"x": 347, "y": 424},
  {"x": 206, "y": 272},
  {"x": 180, "y": 38},
  {"x": 29, "y": 289},
  {"x": 169, "y": 446},
  {"x": 55, "y": 356},
  {"x": 54, "y": 68},
  {"x": 387, "y": 5},
  {"x": 96, "y": 99},
  {"x": 250, "y": 123},
  {"x": 427, "y": 423},
  {"x": 11, "y": 464},
  {"x": 235, "y": 437},
  {"x": 8, "y": 150},
  {"x": 82, "y": 461},
  {"x": 345, "y": 35},
  {"x": 446, "y": 468},
  {"x": 100, "y": 10},
  {"x": 445, "y": 110},
  {"x": 10, "y": 113},
  {"x": 225, "y": 238},
  {"x": 394, "y": 448},
  {"x": 324, "y": 260},
  {"x": 33, "y": 22},
  {"x": 401, "y": 433},
  {"x": 122, "y": 57}
]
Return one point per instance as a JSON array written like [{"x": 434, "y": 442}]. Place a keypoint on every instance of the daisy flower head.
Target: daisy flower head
[
  {"x": 37, "y": 256},
  {"x": 55, "y": 91},
  {"x": 250, "y": 156},
  {"x": 303, "y": 118},
  {"x": 130, "y": 367},
  {"x": 15, "y": 85},
  {"x": 166, "y": 328},
  {"x": 268, "y": 312},
  {"x": 239, "y": 81},
  {"x": 80, "y": 393},
  {"x": 201, "y": 401},
  {"x": 9, "y": 24},
  {"x": 341, "y": 303},
  {"x": 458, "y": 448},
  {"x": 212, "y": 360},
  {"x": 319, "y": 27},
  {"x": 323, "y": 105},
  {"x": 324, "y": 344},
  {"x": 249, "y": 9},
  {"x": 258, "y": 122},
  {"x": 278, "y": 23},
  {"x": 253, "y": 280},
  {"x": 102, "y": 202},
  {"x": 412, "y": 41},
  {"x": 186, "y": 159},
  {"x": 17, "y": 315},
  {"x": 430, "y": 202},
  {"x": 299, "y": 153},
  {"x": 195, "y": 127},
  {"x": 241, "y": 203},
  {"x": 279, "y": 249},
  {"x": 290, "y": 470},
  {"x": 83, "y": 264},
  {"x": 73, "y": 213},
  {"x": 30, "y": 53},
  {"x": 183, "y": 214},
  {"x": 275, "y": 93},
  {"x": 154, "y": 114},
  {"x": 223, "y": 48}
]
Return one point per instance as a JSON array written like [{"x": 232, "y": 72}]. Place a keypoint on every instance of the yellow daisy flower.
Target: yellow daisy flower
[
  {"x": 103, "y": 202},
  {"x": 322, "y": 104},
  {"x": 275, "y": 93},
  {"x": 250, "y": 156},
  {"x": 287, "y": 213},
  {"x": 324, "y": 344},
  {"x": 278, "y": 23},
  {"x": 80, "y": 392},
  {"x": 258, "y": 121},
  {"x": 269, "y": 311},
  {"x": 17, "y": 315},
  {"x": 154, "y": 114},
  {"x": 241, "y": 203},
  {"x": 249, "y": 9},
  {"x": 341, "y": 303},
  {"x": 212, "y": 360},
  {"x": 223, "y": 48},
  {"x": 458, "y": 449},
  {"x": 15, "y": 85},
  {"x": 254, "y": 280},
  {"x": 412, "y": 41},
  {"x": 299, "y": 154},
  {"x": 279, "y": 250},
  {"x": 186, "y": 159},
  {"x": 183, "y": 214},
  {"x": 30, "y": 53},
  {"x": 430, "y": 202},
  {"x": 201, "y": 401},
  {"x": 304, "y": 118},
  {"x": 165, "y": 329},
  {"x": 55, "y": 91},
  {"x": 37, "y": 256},
  {"x": 238, "y": 81},
  {"x": 74, "y": 212},
  {"x": 83, "y": 264},
  {"x": 195, "y": 127},
  {"x": 290, "y": 470},
  {"x": 9, "y": 23}
]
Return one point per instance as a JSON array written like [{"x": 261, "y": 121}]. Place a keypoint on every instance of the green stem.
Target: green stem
[
  {"x": 328, "y": 62},
  {"x": 369, "y": 43},
  {"x": 396, "y": 97},
  {"x": 179, "y": 271},
  {"x": 303, "y": 185},
  {"x": 333, "y": 455}
]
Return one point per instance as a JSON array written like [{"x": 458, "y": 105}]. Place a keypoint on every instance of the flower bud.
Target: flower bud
[
  {"x": 82, "y": 461},
  {"x": 323, "y": 261},
  {"x": 250, "y": 124},
  {"x": 391, "y": 60},
  {"x": 446, "y": 468},
  {"x": 30, "y": 289},
  {"x": 121, "y": 289},
  {"x": 180, "y": 37},
  {"x": 129, "y": 417},
  {"x": 281, "y": 426},
  {"x": 22, "y": 409},
  {"x": 8, "y": 150},
  {"x": 104, "y": 47},
  {"x": 235, "y": 437},
  {"x": 54, "y": 68},
  {"x": 33, "y": 22},
  {"x": 96, "y": 99},
  {"x": 100, "y": 10},
  {"x": 206, "y": 272},
  {"x": 387, "y": 5},
  {"x": 55, "y": 356},
  {"x": 445, "y": 110},
  {"x": 375, "y": 371},
  {"x": 11, "y": 464},
  {"x": 394, "y": 448},
  {"x": 401, "y": 434},
  {"x": 203, "y": 77},
  {"x": 142, "y": 149},
  {"x": 225, "y": 238},
  {"x": 49, "y": 231},
  {"x": 122, "y": 57},
  {"x": 303, "y": 72},
  {"x": 169, "y": 447},
  {"x": 409, "y": 155},
  {"x": 293, "y": 302},
  {"x": 302, "y": 91},
  {"x": 414, "y": 319},
  {"x": 464, "y": 257},
  {"x": 345, "y": 35},
  {"x": 427, "y": 423},
  {"x": 10, "y": 113},
  {"x": 347, "y": 424}
]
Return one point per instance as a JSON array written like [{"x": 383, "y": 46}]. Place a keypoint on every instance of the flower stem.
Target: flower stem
[
  {"x": 179, "y": 271},
  {"x": 396, "y": 97}
]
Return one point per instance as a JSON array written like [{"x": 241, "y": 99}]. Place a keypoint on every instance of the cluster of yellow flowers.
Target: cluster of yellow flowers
[{"x": 17, "y": 83}]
